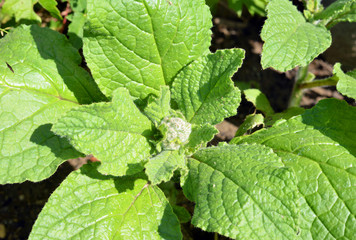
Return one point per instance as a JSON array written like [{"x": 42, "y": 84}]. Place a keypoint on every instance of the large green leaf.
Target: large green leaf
[
  {"x": 290, "y": 41},
  {"x": 204, "y": 91},
  {"x": 320, "y": 146},
  {"x": 142, "y": 44},
  {"x": 21, "y": 9},
  {"x": 116, "y": 133},
  {"x": 88, "y": 205},
  {"x": 38, "y": 74},
  {"x": 347, "y": 82},
  {"x": 338, "y": 11},
  {"x": 243, "y": 192}
]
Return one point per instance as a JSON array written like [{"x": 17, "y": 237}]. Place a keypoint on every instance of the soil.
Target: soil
[{"x": 20, "y": 204}]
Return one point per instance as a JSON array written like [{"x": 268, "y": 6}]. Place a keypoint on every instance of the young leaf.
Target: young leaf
[
  {"x": 253, "y": 6},
  {"x": 251, "y": 121},
  {"x": 78, "y": 5},
  {"x": 243, "y": 192},
  {"x": 115, "y": 133},
  {"x": 204, "y": 91},
  {"x": 200, "y": 135},
  {"x": 182, "y": 213},
  {"x": 51, "y": 7},
  {"x": 338, "y": 11},
  {"x": 290, "y": 41},
  {"x": 142, "y": 44},
  {"x": 347, "y": 82},
  {"x": 259, "y": 100},
  {"x": 320, "y": 146},
  {"x": 22, "y": 10},
  {"x": 313, "y": 6},
  {"x": 75, "y": 28},
  {"x": 287, "y": 114},
  {"x": 39, "y": 73},
  {"x": 159, "y": 107},
  {"x": 88, "y": 205},
  {"x": 162, "y": 166}
]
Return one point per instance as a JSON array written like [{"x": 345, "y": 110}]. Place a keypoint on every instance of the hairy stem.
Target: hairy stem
[
  {"x": 331, "y": 81},
  {"x": 296, "y": 95}
]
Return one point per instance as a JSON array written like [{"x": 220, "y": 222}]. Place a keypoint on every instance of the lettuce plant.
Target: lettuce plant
[{"x": 147, "y": 112}]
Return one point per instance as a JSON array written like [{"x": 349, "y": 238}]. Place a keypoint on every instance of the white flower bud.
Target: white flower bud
[{"x": 178, "y": 132}]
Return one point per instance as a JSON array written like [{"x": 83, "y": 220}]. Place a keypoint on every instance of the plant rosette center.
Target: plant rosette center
[{"x": 176, "y": 132}]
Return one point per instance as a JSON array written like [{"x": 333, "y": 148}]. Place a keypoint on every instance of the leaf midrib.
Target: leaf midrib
[
  {"x": 155, "y": 40},
  {"x": 38, "y": 92}
]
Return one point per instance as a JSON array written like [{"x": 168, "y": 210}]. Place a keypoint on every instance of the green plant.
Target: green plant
[
  {"x": 253, "y": 6},
  {"x": 157, "y": 94}
]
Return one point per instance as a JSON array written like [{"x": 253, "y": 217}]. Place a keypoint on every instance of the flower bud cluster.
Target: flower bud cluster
[{"x": 177, "y": 134}]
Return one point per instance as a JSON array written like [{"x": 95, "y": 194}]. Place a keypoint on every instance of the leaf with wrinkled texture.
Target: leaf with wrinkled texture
[
  {"x": 161, "y": 167},
  {"x": 38, "y": 74},
  {"x": 347, "y": 82},
  {"x": 116, "y": 133},
  {"x": 290, "y": 41},
  {"x": 338, "y": 11},
  {"x": 243, "y": 192},
  {"x": 200, "y": 136},
  {"x": 88, "y": 205},
  {"x": 143, "y": 44},
  {"x": 204, "y": 91},
  {"x": 320, "y": 146},
  {"x": 159, "y": 107}
]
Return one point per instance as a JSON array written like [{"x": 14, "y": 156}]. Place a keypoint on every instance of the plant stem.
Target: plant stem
[
  {"x": 297, "y": 92},
  {"x": 331, "y": 81},
  {"x": 302, "y": 82}
]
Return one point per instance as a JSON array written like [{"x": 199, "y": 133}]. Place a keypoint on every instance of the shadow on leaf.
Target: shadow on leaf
[
  {"x": 53, "y": 45},
  {"x": 59, "y": 146}
]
